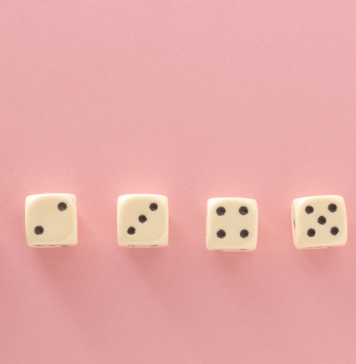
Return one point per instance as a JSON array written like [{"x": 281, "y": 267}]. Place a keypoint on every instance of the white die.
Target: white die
[
  {"x": 319, "y": 222},
  {"x": 232, "y": 224},
  {"x": 142, "y": 221},
  {"x": 51, "y": 220}
]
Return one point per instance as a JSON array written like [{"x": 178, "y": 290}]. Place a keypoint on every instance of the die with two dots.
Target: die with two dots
[
  {"x": 142, "y": 221},
  {"x": 51, "y": 220}
]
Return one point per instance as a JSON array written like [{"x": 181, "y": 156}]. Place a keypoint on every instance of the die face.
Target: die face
[
  {"x": 142, "y": 221},
  {"x": 319, "y": 222},
  {"x": 51, "y": 220},
  {"x": 232, "y": 224}
]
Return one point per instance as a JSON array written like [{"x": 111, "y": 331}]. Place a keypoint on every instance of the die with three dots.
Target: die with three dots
[{"x": 142, "y": 221}]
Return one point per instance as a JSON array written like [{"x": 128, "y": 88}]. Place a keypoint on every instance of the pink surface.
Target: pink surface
[{"x": 191, "y": 99}]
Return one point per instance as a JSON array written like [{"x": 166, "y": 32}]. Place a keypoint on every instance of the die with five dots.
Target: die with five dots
[
  {"x": 142, "y": 221},
  {"x": 319, "y": 222},
  {"x": 51, "y": 220},
  {"x": 232, "y": 224}
]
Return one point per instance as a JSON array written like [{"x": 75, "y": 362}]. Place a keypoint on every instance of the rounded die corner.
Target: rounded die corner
[{"x": 72, "y": 197}]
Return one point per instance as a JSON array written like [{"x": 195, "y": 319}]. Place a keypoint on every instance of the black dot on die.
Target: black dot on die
[
  {"x": 142, "y": 218},
  {"x": 244, "y": 234},
  {"x": 221, "y": 234},
  {"x": 243, "y": 210},
  {"x": 62, "y": 206},
  {"x": 332, "y": 207},
  {"x": 334, "y": 230},
  {"x": 131, "y": 230},
  {"x": 309, "y": 209},
  {"x": 311, "y": 233},
  {"x": 39, "y": 230},
  {"x": 321, "y": 220},
  {"x": 153, "y": 206},
  {"x": 220, "y": 211}
]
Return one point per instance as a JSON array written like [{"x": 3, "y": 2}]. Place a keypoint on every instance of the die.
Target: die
[
  {"x": 51, "y": 220},
  {"x": 319, "y": 222},
  {"x": 232, "y": 224},
  {"x": 142, "y": 221}
]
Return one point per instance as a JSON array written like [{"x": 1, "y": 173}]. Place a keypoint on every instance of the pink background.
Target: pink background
[{"x": 192, "y": 99}]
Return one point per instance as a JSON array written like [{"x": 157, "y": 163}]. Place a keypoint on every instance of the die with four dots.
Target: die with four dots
[
  {"x": 142, "y": 221},
  {"x": 232, "y": 224},
  {"x": 319, "y": 222},
  {"x": 51, "y": 220}
]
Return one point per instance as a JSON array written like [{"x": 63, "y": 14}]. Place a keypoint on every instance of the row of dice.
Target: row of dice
[{"x": 142, "y": 221}]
